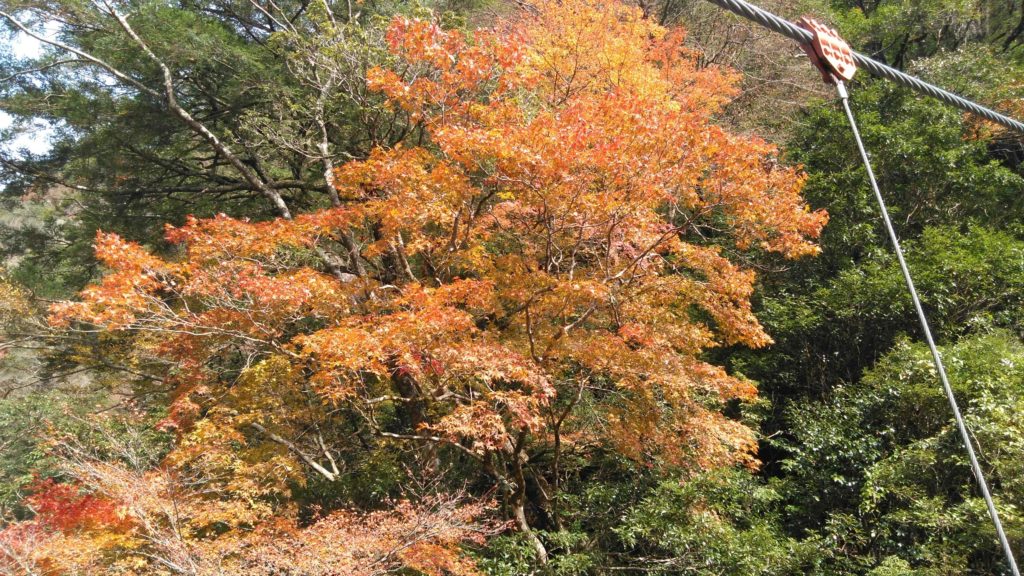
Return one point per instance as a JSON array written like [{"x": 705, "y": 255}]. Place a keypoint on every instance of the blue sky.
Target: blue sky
[{"x": 35, "y": 136}]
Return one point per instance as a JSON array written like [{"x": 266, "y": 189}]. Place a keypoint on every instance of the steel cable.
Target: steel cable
[{"x": 794, "y": 32}]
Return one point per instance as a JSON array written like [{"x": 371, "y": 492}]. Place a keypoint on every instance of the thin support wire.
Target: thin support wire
[{"x": 936, "y": 357}]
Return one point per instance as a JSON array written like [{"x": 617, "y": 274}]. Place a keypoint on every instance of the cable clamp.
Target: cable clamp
[{"x": 829, "y": 53}]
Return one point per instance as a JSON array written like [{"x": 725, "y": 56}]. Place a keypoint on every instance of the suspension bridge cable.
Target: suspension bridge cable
[
  {"x": 794, "y": 32},
  {"x": 936, "y": 357}
]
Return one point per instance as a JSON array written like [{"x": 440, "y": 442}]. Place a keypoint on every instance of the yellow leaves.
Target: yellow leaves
[
  {"x": 480, "y": 424},
  {"x": 134, "y": 278},
  {"x": 704, "y": 89},
  {"x": 495, "y": 365},
  {"x": 29, "y": 546},
  {"x": 244, "y": 477},
  {"x": 716, "y": 383},
  {"x": 118, "y": 254},
  {"x": 475, "y": 295},
  {"x": 204, "y": 445},
  {"x": 626, "y": 125},
  {"x": 414, "y": 199},
  {"x": 524, "y": 410},
  {"x": 422, "y": 41},
  {"x": 681, "y": 433},
  {"x": 14, "y": 301},
  {"x": 762, "y": 199},
  {"x": 222, "y": 270},
  {"x": 437, "y": 560},
  {"x": 590, "y": 46},
  {"x": 445, "y": 67},
  {"x": 303, "y": 290},
  {"x": 724, "y": 294},
  {"x": 340, "y": 354},
  {"x": 268, "y": 391}
]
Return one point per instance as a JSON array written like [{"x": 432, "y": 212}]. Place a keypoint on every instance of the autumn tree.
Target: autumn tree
[
  {"x": 534, "y": 277},
  {"x": 117, "y": 520}
]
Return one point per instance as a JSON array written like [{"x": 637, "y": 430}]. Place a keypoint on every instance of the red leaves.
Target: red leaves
[{"x": 65, "y": 507}]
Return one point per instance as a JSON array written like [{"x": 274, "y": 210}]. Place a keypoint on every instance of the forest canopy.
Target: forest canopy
[{"x": 548, "y": 287}]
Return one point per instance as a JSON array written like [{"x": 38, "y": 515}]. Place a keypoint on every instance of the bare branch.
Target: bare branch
[
  {"x": 330, "y": 476},
  {"x": 44, "y": 68}
]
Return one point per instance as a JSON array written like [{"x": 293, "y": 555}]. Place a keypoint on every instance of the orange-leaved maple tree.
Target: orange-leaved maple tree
[{"x": 537, "y": 268}]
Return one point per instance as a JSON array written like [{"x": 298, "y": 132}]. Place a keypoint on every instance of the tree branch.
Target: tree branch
[
  {"x": 330, "y": 476},
  {"x": 83, "y": 55},
  {"x": 198, "y": 127}
]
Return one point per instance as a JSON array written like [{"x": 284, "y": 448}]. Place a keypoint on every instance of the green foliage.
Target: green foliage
[
  {"x": 720, "y": 523},
  {"x": 24, "y": 456},
  {"x": 968, "y": 278},
  {"x": 928, "y": 171},
  {"x": 724, "y": 522},
  {"x": 893, "y": 566},
  {"x": 371, "y": 480},
  {"x": 886, "y": 454},
  {"x": 37, "y": 430},
  {"x": 864, "y": 453},
  {"x": 121, "y": 160},
  {"x": 899, "y": 31},
  {"x": 507, "y": 555},
  {"x": 833, "y": 316}
]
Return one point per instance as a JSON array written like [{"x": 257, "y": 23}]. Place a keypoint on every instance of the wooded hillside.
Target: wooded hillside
[{"x": 463, "y": 287}]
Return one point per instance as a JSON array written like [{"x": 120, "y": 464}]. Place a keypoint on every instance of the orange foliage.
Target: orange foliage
[
  {"x": 424, "y": 538},
  {"x": 160, "y": 526},
  {"x": 569, "y": 228}
]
